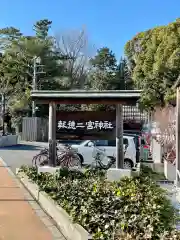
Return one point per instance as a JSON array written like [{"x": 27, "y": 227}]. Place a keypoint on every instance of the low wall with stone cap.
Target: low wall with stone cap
[{"x": 9, "y": 140}]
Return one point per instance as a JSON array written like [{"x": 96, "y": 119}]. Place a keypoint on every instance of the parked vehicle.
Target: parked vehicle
[
  {"x": 142, "y": 147},
  {"x": 85, "y": 150}
]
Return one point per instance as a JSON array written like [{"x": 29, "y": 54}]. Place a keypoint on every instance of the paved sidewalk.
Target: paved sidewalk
[{"x": 21, "y": 218}]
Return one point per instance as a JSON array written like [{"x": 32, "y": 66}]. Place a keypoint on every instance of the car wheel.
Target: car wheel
[
  {"x": 127, "y": 164},
  {"x": 81, "y": 159}
]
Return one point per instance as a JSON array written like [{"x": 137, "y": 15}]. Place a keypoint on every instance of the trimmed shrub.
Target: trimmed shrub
[{"x": 132, "y": 206}]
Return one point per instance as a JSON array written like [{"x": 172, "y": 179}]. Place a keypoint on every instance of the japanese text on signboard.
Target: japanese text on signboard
[{"x": 90, "y": 125}]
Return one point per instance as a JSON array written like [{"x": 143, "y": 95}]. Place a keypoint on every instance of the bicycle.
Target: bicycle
[
  {"x": 99, "y": 156},
  {"x": 68, "y": 157},
  {"x": 65, "y": 157},
  {"x": 41, "y": 157}
]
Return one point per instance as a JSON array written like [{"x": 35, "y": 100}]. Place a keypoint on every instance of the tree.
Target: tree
[
  {"x": 75, "y": 45},
  {"x": 7, "y": 35},
  {"x": 42, "y": 28},
  {"x": 108, "y": 74},
  {"x": 104, "y": 60},
  {"x": 59, "y": 68},
  {"x": 53, "y": 68},
  {"x": 154, "y": 55},
  {"x": 17, "y": 65},
  {"x": 103, "y": 74},
  {"x": 123, "y": 75}
]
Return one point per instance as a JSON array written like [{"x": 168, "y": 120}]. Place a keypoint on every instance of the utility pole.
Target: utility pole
[
  {"x": 34, "y": 86},
  {"x": 36, "y": 60}
]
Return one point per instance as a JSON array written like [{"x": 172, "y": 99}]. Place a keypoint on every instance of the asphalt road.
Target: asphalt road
[{"x": 21, "y": 154}]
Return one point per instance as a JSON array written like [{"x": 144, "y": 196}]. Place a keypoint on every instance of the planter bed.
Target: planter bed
[
  {"x": 69, "y": 229},
  {"x": 104, "y": 209}
]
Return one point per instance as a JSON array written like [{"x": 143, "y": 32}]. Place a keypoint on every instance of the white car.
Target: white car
[{"x": 85, "y": 150}]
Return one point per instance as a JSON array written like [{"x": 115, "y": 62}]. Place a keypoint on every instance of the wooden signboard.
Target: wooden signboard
[{"x": 87, "y": 125}]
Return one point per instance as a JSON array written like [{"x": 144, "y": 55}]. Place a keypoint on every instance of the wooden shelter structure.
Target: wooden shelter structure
[{"x": 117, "y": 97}]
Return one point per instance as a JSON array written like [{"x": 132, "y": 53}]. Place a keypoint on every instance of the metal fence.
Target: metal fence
[{"x": 34, "y": 129}]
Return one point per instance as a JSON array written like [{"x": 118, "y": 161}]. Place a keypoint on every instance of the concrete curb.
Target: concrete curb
[
  {"x": 8, "y": 169},
  {"x": 70, "y": 230}
]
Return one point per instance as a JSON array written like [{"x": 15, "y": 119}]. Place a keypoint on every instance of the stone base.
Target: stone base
[
  {"x": 114, "y": 174},
  {"x": 169, "y": 171},
  {"x": 156, "y": 167},
  {"x": 48, "y": 169}
]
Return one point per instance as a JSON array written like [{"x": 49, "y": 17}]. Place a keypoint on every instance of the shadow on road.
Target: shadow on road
[{"x": 23, "y": 147}]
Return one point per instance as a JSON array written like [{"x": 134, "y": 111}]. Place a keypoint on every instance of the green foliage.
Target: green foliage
[
  {"x": 104, "y": 60},
  {"x": 123, "y": 76},
  {"x": 134, "y": 206},
  {"x": 42, "y": 28},
  {"x": 65, "y": 64},
  {"x": 16, "y": 65},
  {"x": 173, "y": 235},
  {"x": 156, "y": 62},
  {"x": 104, "y": 70},
  {"x": 7, "y": 35},
  {"x": 107, "y": 74}
]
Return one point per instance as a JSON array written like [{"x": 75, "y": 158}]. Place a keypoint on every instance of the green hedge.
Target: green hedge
[{"x": 134, "y": 206}]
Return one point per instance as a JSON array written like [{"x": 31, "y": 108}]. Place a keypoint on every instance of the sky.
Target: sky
[{"x": 108, "y": 23}]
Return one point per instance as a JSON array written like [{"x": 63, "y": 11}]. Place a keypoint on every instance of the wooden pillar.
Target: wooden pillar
[
  {"x": 52, "y": 134},
  {"x": 119, "y": 137},
  {"x": 177, "y": 135}
]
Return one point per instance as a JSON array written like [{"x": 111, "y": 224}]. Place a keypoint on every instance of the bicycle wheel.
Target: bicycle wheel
[
  {"x": 64, "y": 162},
  {"x": 74, "y": 161},
  {"x": 101, "y": 165},
  {"x": 59, "y": 158},
  {"x": 34, "y": 160},
  {"x": 70, "y": 161},
  {"x": 111, "y": 163},
  {"x": 42, "y": 160}
]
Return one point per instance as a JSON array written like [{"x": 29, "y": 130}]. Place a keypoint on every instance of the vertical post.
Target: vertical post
[
  {"x": 177, "y": 135},
  {"x": 3, "y": 111},
  {"x": 119, "y": 137},
  {"x": 34, "y": 86},
  {"x": 52, "y": 134}
]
